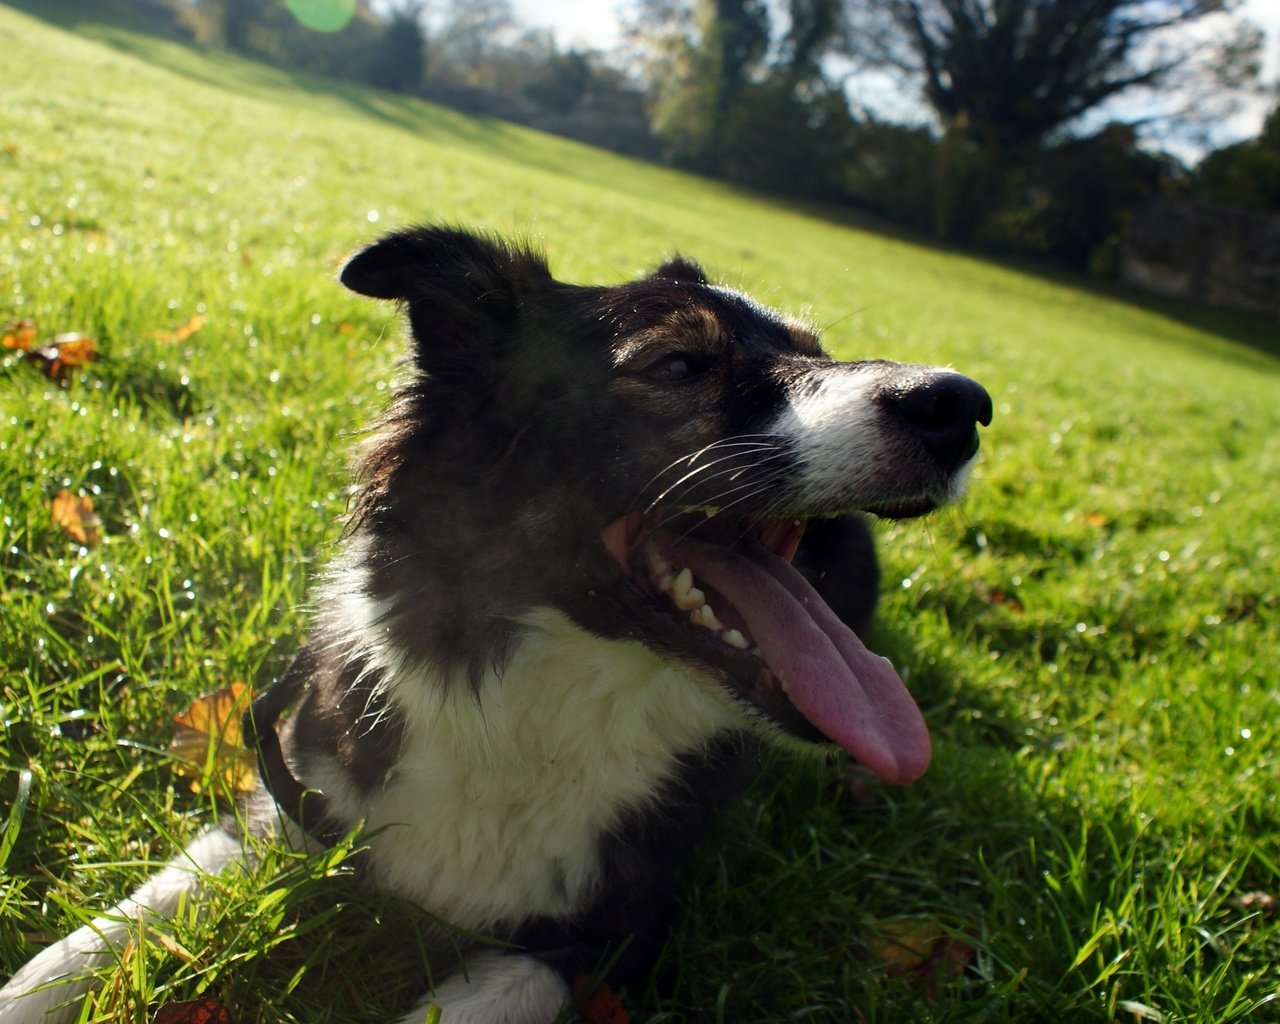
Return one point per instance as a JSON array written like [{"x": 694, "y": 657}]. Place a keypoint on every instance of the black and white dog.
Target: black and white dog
[{"x": 603, "y": 545}]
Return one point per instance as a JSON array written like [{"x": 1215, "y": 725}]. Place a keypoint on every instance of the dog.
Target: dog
[{"x": 606, "y": 542}]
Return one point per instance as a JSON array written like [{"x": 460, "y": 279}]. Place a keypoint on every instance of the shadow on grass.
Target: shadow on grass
[
  {"x": 1257, "y": 335},
  {"x": 116, "y": 24},
  {"x": 1252, "y": 340}
]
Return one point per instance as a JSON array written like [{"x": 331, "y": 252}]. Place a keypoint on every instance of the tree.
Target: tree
[
  {"x": 399, "y": 56},
  {"x": 1009, "y": 73},
  {"x": 814, "y": 28},
  {"x": 728, "y": 98},
  {"x": 1246, "y": 174},
  {"x": 470, "y": 34},
  {"x": 698, "y": 56},
  {"x": 234, "y": 19},
  {"x": 1079, "y": 196},
  {"x": 560, "y": 81}
]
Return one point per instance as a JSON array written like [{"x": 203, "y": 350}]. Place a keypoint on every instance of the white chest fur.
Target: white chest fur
[{"x": 496, "y": 806}]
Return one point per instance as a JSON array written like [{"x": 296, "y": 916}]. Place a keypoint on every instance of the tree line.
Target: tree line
[{"x": 1013, "y": 138}]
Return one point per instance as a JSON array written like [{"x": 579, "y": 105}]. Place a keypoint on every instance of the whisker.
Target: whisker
[
  {"x": 741, "y": 493},
  {"x": 707, "y": 480},
  {"x": 759, "y": 441},
  {"x": 698, "y": 472}
]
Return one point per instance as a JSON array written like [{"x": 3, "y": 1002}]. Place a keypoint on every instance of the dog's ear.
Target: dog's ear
[
  {"x": 415, "y": 263},
  {"x": 458, "y": 286},
  {"x": 681, "y": 268}
]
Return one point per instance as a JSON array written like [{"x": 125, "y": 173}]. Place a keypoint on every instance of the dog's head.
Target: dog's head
[{"x": 645, "y": 458}]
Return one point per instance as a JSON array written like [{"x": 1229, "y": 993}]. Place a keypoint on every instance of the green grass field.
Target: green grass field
[{"x": 1093, "y": 634}]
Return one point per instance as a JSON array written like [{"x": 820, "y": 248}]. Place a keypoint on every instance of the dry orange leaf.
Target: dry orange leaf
[
  {"x": 196, "y": 1011},
  {"x": 597, "y": 1003},
  {"x": 182, "y": 333},
  {"x": 921, "y": 952},
  {"x": 68, "y": 351},
  {"x": 74, "y": 513},
  {"x": 64, "y": 353},
  {"x": 208, "y": 743},
  {"x": 998, "y": 596},
  {"x": 19, "y": 335}
]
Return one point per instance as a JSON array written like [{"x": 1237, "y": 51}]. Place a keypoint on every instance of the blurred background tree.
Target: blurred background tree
[
  {"x": 1011, "y": 83},
  {"x": 399, "y": 57},
  {"x": 1245, "y": 174}
]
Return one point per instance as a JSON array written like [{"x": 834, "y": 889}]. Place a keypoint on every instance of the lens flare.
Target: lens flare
[{"x": 323, "y": 15}]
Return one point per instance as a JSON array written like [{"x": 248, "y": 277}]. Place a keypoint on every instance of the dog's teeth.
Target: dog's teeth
[
  {"x": 684, "y": 593},
  {"x": 658, "y": 566},
  {"x": 706, "y": 618},
  {"x": 691, "y": 600},
  {"x": 735, "y": 639}
]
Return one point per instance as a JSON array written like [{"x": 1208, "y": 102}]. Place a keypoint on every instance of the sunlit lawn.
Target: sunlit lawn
[{"x": 1093, "y": 634}]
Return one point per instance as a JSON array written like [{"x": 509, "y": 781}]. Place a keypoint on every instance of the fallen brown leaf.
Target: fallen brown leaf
[
  {"x": 18, "y": 335},
  {"x": 998, "y": 596},
  {"x": 74, "y": 513},
  {"x": 208, "y": 743},
  {"x": 921, "y": 953},
  {"x": 182, "y": 333},
  {"x": 64, "y": 353},
  {"x": 195, "y": 1011},
  {"x": 597, "y": 1003}
]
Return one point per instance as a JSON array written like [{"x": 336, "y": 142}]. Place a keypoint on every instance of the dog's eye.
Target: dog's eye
[{"x": 676, "y": 367}]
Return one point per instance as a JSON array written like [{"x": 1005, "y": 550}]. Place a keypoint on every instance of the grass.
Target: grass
[{"x": 1093, "y": 634}]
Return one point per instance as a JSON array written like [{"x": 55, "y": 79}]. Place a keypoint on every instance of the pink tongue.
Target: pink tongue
[{"x": 854, "y": 697}]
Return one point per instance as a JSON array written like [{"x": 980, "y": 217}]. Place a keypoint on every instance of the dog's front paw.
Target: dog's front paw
[{"x": 496, "y": 988}]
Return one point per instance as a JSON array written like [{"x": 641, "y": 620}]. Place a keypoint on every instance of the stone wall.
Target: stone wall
[{"x": 1215, "y": 254}]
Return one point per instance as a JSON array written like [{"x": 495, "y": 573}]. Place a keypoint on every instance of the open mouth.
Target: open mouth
[{"x": 720, "y": 590}]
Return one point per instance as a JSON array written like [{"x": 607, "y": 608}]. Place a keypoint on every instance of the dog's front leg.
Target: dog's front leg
[
  {"x": 615, "y": 940},
  {"x": 498, "y": 988},
  {"x": 51, "y": 987}
]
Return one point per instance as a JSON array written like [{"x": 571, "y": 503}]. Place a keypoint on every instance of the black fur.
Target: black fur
[{"x": 519, "y": 367}]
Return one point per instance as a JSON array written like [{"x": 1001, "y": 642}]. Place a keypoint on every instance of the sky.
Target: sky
[{"x": 594, "y": 23}]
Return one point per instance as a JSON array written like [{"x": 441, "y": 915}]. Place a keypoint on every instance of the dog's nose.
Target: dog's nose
[{"x": 944, "y": 410}]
